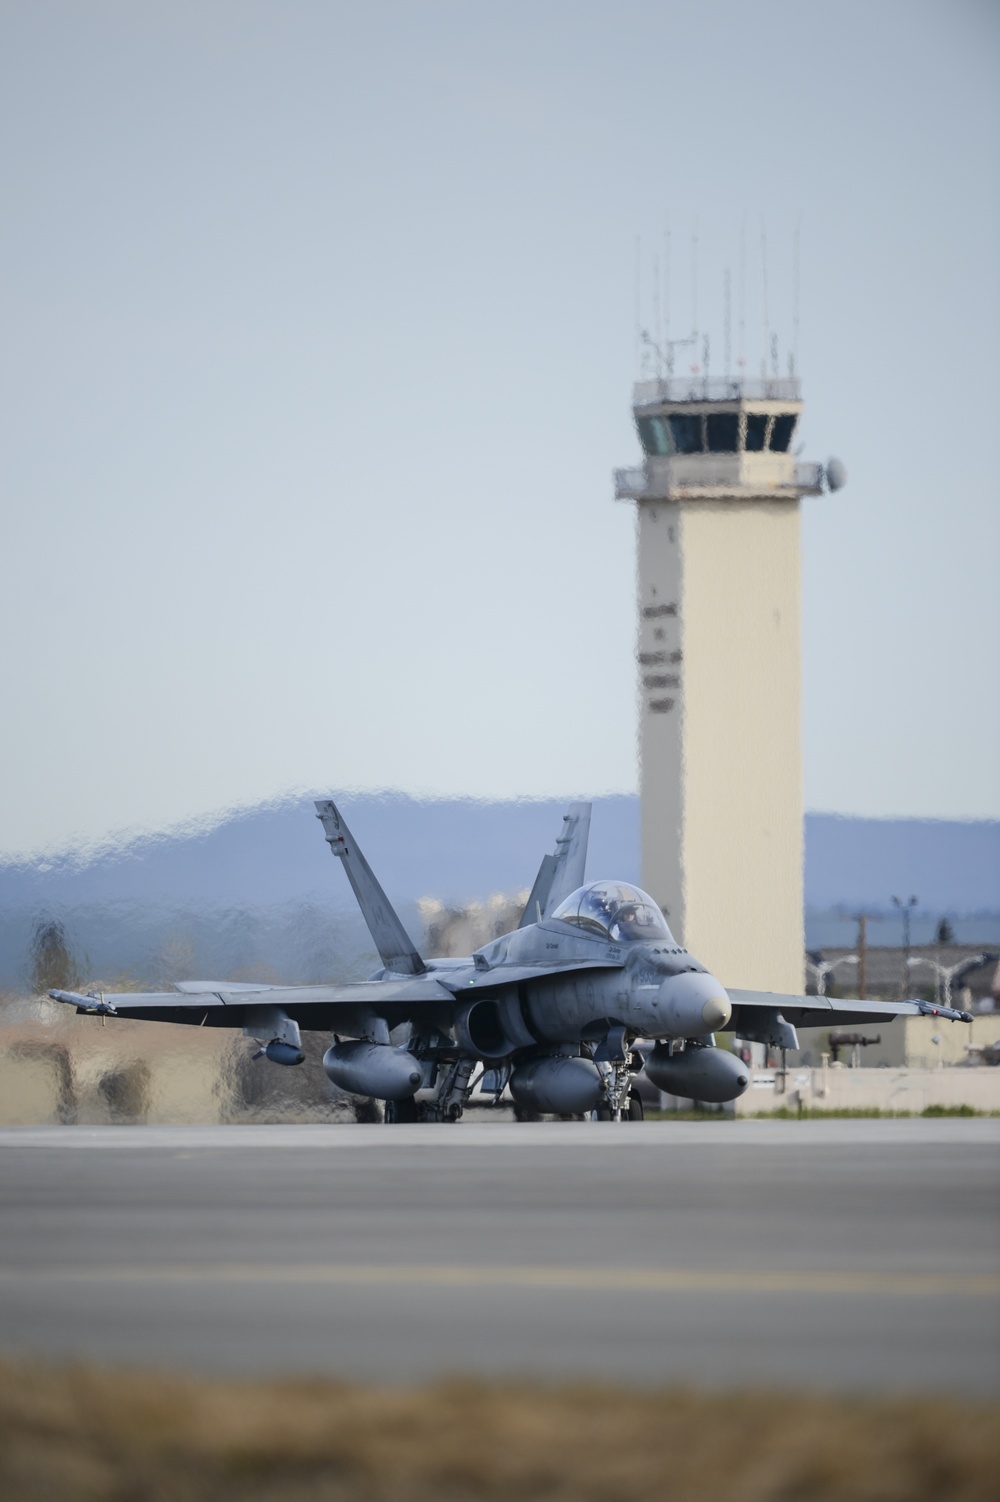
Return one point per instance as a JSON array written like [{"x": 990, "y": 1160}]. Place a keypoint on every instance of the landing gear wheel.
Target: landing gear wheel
[
  {"x": 399, "y": 1111},
  {"x": 520, "y": 1114},
  {"x": 367, "y": 1110},
  {"x": 631, "y": 1111}
]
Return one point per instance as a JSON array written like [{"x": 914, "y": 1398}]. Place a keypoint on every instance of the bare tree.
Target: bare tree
[{"x": 52, "y": 964}]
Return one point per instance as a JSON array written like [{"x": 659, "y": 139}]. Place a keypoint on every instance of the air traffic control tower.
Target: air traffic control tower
[{"x": 717, "y": 499}]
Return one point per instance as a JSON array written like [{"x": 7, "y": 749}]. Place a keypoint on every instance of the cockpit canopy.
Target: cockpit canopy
[{"x": 614, "y": 910}]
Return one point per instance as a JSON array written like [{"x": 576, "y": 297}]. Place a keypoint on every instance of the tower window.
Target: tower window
[
  {"x": 653, "y": 435},
  {"x": 756, "y": 431},
  {"x": 685, "y": 430},
  {"x": 723, "y": 431},
  {"x": 781, "y": 433}
]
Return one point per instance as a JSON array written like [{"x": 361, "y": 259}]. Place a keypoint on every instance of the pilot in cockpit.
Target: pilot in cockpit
[{"x": 626, "y": 922}]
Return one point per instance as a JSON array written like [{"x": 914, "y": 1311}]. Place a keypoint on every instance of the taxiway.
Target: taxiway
[{"x": 857, "y": 1255}]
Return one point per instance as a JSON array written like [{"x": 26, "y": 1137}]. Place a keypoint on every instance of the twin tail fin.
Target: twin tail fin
[{"x": 397, "y": 950}]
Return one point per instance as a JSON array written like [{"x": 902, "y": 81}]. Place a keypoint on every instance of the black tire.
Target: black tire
[
  {"x": 635, "y": 1106},
  {"x": 398, "y": 1112},
  {"x": 522, "y": 1114},
  {"x": 367, "y": 1110}
]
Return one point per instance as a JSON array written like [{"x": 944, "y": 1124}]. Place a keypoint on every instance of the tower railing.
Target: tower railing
[
  {"x": 693, "y": 388},
  {"x": 659, "y": 477}
]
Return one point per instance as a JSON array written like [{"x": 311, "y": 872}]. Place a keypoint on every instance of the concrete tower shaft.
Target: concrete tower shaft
[{"x": 719, "y": 669}]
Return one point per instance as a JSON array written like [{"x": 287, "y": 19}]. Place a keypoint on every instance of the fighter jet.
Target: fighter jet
[{"x": 552, "y": 1011}]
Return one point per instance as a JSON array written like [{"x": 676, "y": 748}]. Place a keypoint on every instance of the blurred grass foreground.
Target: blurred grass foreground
[
  {"x": 60, "y": 1068},
  {"x": 78, "y": 1434}
]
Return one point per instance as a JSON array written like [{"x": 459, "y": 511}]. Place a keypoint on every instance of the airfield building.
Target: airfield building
[{"x": 717, "y": 504}]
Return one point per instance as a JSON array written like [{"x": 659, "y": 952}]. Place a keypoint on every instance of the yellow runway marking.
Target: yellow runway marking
[{"x": 571, "y": 1279}]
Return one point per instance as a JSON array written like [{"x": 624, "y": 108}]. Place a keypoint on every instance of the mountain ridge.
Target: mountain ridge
[{"x": 463, "y": 849}]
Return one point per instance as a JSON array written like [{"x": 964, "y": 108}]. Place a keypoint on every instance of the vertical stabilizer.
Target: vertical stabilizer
[
  {"x": 534, "y": 908},
  {"x": 391, "y": 939},
  {"x": 563, "y": 872}
]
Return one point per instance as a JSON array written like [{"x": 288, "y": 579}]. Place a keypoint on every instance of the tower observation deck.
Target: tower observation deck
[{"x": 717, "y": 499}]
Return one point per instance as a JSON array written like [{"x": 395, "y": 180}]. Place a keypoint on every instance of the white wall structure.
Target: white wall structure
[{"x": 717, "y": 504}]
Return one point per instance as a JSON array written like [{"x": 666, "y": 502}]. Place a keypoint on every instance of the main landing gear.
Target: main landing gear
[
  {"x": 630, "y": 1110},
  {"x": 448, "y": 1083},
  {"x": 399, "y": 1111}
]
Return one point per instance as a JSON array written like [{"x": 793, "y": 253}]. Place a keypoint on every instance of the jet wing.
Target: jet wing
[
  {"x": 772, "y": 1016},
  {"x": 316, "y": 1008},
  {"x": 201, "y": 987},
  {"x": 313, "y": 1007}
]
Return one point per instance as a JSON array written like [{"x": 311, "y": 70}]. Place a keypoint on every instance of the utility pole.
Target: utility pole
[
  {"x": 862, "y": 919},
  {"x": 905, "y": 908}
]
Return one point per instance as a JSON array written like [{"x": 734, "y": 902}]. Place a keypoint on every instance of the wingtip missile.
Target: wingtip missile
[
  {"x": 92, "y": 1002},
  {"x": 932, "y": 1009}
]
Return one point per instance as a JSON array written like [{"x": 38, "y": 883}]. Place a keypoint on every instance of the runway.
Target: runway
[{"x": 856, "y": 1255}]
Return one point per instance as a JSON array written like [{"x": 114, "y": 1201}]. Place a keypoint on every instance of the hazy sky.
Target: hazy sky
[{"x": 318, "y": 341}]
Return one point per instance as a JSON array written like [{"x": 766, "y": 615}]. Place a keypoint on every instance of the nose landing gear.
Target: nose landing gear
[
  {"x": 621, "y": 1101},
  {"x": 631, "y": 1110}
]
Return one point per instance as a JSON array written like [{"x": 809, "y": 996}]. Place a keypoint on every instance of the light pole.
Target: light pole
[
  {"x": 946, "y": 973},
  {"x": 821, "y": 969},
  {"x": 905, "y": 908}
]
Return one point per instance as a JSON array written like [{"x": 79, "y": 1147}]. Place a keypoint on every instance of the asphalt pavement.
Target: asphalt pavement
[{"x": 855, "y": 1255}]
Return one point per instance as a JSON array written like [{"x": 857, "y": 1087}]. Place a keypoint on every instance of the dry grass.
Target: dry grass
[{"x": 87, "y": 1435}]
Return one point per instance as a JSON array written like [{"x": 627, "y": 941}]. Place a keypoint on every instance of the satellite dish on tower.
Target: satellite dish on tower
[{"x": 836, "y": 474}]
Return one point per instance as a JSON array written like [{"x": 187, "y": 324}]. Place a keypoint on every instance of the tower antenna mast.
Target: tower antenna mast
[
  {"x": 694, "y": 288},
  {"x": 727, "y": 324},
  {"x": 638, "y": 307},
  {"x": 666, "y": 298},
  {"x": 793, "y": 359},
  {"x": 765, "y": 324},
  {"x": 740, "y": 358}
]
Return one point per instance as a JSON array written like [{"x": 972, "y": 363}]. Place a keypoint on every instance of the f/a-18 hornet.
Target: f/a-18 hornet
[{"x": 552, "y": 1010}]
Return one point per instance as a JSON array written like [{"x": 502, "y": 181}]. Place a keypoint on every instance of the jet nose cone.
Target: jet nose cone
[
  {"x": 717, "y": 1009},
  {"x": 695, "y": 1003}
]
